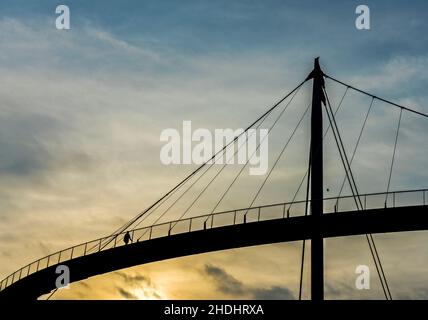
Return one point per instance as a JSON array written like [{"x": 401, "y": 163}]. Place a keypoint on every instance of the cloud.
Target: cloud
[
  {"x": 400, "y": 74},
  {"x": 225, "y": 282},
  {"x": 81, "y": 139},
  {"x": 273, "y": 293},
  {"x": 134, "y": 279},
  {"x": 122, "y": 45},
  {"x": 126, "y": 294},
  {"x": 418, "y": 293},
  {"x": 136, "y": 286},
  {"x": 229, "y": 285},
  {"x": 84, "y": 284},
  {"x": 339, "y": 290}
]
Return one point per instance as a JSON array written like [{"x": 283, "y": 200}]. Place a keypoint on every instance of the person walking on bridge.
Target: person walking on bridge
[{"x": 127, "y": 238}]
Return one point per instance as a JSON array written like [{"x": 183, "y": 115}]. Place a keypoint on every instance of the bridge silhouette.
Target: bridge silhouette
[{"x": 315, "y": 218}]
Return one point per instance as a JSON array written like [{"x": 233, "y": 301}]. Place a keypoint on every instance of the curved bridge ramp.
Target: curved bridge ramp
[{"x": 212, "y": 238}]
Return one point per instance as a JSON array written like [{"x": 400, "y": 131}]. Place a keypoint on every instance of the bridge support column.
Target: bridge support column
[{"x": 317, "y": 247}]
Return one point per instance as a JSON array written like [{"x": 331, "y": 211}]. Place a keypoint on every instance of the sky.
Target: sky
[{"x": 82, "y": 111}]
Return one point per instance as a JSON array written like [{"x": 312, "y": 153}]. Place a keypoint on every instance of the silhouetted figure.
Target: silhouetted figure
[{"x": 127, "y": 238}]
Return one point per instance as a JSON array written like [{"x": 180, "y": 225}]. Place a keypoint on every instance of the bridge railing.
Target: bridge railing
[{"x": 219, "y": 219}]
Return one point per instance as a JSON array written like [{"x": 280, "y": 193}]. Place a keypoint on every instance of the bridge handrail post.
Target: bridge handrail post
[
  {"x": 386, "y": 199},
  {"x": 365, "y": 202},
  {"x": 234, "y": 217},
  {"x": 150, "y": 233},
  {"x": 190, "y": 224},
  {"x": 72, "y": 251},
  {"x": 86, "y": 246},
  {"x": 115, "y": 241},
  {"x": 38, "y": 263},
  {"x": 169, "y": 229},
  {"x": 423, "y": 192},
  {"x": 20, "y": 274},
  {"x": 258, "y": 215},
  {"x": 99, "y": 246},
  {"x": 283, "y": 211},
  {"x": 59, "y": 256},
  {"x": 212, "y": 220},
  {"x": 393, "y": 199},
  {"x": 47, "y": 264}
]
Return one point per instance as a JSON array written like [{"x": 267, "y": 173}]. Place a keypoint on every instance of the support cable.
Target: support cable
[
  {"x": 223, "y": 167},
  {"x": 131, "y": 222},
  {"x": 51, "y": 294},
  {"x": 217, "y": 174},
  {"x": 355, "y": 149},
  {"x": 355, "y": 193},
  {"x": 393, "y": 156},
  {"x": 325, "y": 133},
  {"x": 253, "y": 153},
  {"x": 277, "y": 159},
  {"x": 376, "y": 97}
]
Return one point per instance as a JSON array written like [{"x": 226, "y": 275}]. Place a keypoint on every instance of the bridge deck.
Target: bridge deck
[{"x": 410, "y": 218}]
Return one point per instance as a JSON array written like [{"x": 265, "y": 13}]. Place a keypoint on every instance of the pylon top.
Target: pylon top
[{"x": 316, "y": 72}]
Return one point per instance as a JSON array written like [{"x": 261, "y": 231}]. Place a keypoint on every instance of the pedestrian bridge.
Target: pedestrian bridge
[{"x": 284, "y": 222}]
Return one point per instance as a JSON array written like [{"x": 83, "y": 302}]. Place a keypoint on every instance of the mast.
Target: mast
[{"x": 317, "y": 247}]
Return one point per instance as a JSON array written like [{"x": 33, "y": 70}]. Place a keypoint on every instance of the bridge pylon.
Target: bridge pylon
[{"x": 316, "y": 181}]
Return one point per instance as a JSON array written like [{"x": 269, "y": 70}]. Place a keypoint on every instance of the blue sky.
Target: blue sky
[
  {"x": 82, "y": 111},
  {"x": 224, "y": 27}
]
